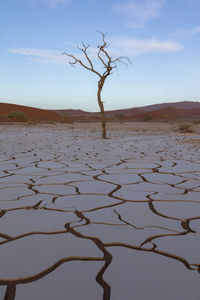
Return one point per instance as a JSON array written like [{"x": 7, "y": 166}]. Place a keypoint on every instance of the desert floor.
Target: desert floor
[{"x": 83, "y": 218}]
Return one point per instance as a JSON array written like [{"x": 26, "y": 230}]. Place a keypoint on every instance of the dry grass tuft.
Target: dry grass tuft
[{"x": 185, "y": 128}]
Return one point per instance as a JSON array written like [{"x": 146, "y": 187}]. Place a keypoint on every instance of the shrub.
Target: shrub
[
  {"x": 17, "y": 116},
  {"x": 196, "y": 122},
  {"x": 5, "y": 116},
  {"x": 51, "y": 122},
  {"x": 185, "y": 128},
  {"x": 32, "y": 121},
  {"x": 165, "y": 116},
  {"x": 120, "y": 117},
  {"x": 147, "y": 118}
]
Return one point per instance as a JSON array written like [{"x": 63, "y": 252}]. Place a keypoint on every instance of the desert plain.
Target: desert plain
[{"x": 83, "y": 218}]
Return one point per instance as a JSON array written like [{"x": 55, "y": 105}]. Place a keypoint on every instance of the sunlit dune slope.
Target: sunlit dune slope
[
  {"x": 30, "y": 112},
  {"x": 167, "y": 113}
]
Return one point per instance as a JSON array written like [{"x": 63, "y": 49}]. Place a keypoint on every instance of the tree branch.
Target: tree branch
[
  {"x": 76, "y": 60},
  {"x": 108, "y": 63}
]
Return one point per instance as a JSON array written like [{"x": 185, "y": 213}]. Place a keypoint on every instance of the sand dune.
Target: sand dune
[
  {"x": 159, "y": 112},
  {"x": 178, "y": 111},
  {"x": 168, "y": 113},
  {"x": 30, "y": 112}
]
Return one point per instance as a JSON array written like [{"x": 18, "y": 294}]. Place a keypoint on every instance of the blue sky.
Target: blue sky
[{"x": 161, "y": 37}]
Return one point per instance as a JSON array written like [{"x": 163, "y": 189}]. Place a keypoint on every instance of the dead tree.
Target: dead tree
[{"x": 108, "y": 63}]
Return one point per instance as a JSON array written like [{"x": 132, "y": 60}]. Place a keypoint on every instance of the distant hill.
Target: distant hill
[
  {"x": 194, "y": 111},
  {"x": 73, "y": 113},
  {"x": 30, "y": 112},
  {"x": 188, "y": 105},
  {"x": 168, "y": 113},
  {"x": 178, "y": 111}
]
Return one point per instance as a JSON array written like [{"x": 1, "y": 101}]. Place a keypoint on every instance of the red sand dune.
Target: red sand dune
[
  {"x": 195, "y": 111},
  {"x": 30, "y": 112},
  {"x": 177, "y": 111},
  {"x": 167, "y": 113},
  {"x": 124, "y": 112},
  {"x": 73, "y": 113},
  {"x": 172, "y": 113},
  {"x": 161, "y": 112},
  {"x": 183, "y": 105}
]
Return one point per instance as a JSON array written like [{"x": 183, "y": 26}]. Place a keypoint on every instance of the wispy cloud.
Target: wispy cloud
[
  {"x": 42, "y": 55},
  {"x": 50, "y": 3},
  {"x": 54, "y": 3},
  {"x": 120, "y": 46},
  {"x": 48, "y": 56},
  {"x": 187, "y": 33},
  {"x": 138, "y": 12},
  {"x": 130, "y": 46}
]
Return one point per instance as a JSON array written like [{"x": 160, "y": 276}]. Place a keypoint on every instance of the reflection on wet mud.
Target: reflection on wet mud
[{"x": 57, "y": 211}]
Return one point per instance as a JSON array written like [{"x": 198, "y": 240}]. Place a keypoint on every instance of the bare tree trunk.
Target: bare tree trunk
[
  {"x": 10, "y": 292},
  {"x": 101, "y": 106},
  {"x": 108, "y": 65}
]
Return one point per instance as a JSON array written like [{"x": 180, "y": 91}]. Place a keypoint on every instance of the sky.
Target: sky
[{"x": 160, "y": 37}]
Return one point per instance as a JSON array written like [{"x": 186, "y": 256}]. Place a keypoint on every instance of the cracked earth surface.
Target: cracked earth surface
[{"x": 84, "y": 218}]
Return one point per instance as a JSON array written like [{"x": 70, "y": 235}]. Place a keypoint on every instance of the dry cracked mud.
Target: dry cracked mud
[{"x": 85, "y": 218}]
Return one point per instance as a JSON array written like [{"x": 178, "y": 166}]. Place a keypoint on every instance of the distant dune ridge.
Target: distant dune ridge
[
  {"x": 177, "y": 111},
  {"x": 31, "y": 113},
  {"x": 185, "y": 105}
]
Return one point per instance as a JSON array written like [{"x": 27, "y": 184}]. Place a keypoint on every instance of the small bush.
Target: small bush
[
  {"x": 165, "y": 116},
  {"x": 196, "y": 122},
  {"x": 147, "y": 118},
  {"x": 185, "y": 128},
  {"x": 17, "y": 116},
  {"x": 51, "y": 122},
  {"x": 5, "y": 116},
  {"x": 32, "y": 121},
  {"x": 120, "y": 117}
]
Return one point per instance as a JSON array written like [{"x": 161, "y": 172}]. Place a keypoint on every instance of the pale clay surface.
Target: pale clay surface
[{"x": 83, "y": 218}]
